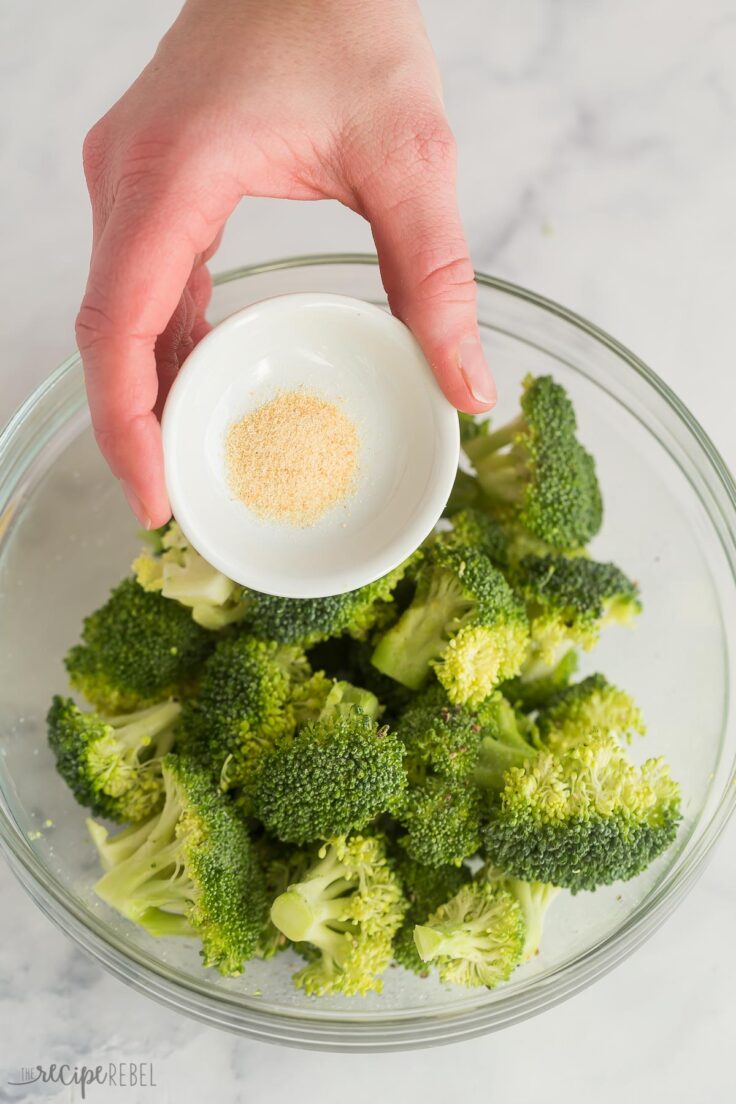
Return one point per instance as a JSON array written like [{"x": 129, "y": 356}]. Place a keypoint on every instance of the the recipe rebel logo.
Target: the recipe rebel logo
[{"x": 121, "y": 1075}]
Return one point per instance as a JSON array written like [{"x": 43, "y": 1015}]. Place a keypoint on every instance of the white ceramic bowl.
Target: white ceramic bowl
[{"x": 356, "y": 355}]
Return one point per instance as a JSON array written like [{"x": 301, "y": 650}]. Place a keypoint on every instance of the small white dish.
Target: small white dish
[{"x": 369, "y": 364}]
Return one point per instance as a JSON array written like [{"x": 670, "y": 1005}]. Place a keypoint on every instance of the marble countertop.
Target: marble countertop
[{"x": 597, "y": 166}]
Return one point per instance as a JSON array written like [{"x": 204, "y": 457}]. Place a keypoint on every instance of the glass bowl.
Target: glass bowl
[{"x": 66, "y": 537}]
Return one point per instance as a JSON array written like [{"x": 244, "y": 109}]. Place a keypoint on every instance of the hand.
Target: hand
[{"x": 296, "y": 99}]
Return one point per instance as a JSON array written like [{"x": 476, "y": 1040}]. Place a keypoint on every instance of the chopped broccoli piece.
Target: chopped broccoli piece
[
  {"x": 425, "y": 889},
  {"x": 178, "y": 572},
  {"x": 439, "y": 737},
  {"x": 308, "y": 620},
  {"x": 465, "y": 623},
  {"x": 252, "y": 692},
  {"x": 544, "y": 480},
  {"x": 508, "y": 740},
  {"x": 587, "y": 706},
  {"x": 282, "y": 864},
  {"x": 189, "y": 870},
  {"x": 569, "y": 601},
  {"x": 536, "y": 684},
  {"x": 534, "y": 898},
  {"x": 348, "y": 906},
  {"x": 472, "y": 427},
  {"x": 136, "y": 649},
  {"x": 466, "y": 494},
  {"x": 344, "y": 698},
  {"x": 474, "y": 529},
  {"x": 349, "y": 660},
  {"x": 582, "y": 817},
  {"x": 476, "y": 938},
  {"x": 334, "y": 776},
  {"x": 113, "y": 764},
  {"x": 442, "y": 821}
]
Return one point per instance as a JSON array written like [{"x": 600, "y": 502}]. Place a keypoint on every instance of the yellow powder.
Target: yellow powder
[{"x": 293, "y": 458}]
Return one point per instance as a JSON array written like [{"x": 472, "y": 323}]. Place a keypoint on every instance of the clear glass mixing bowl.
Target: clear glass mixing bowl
[{"x": 66, "y": 537}]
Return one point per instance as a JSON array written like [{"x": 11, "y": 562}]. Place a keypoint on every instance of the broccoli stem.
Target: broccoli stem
[
  {"x": 140, "y": 730},
  {"x": 484, "y": 445},
  {"x": 465, "y": 940},
  {"x": 139, "y": 881},
  {"x": 407, "y": 650},
  {"x": 159, "y": 923},
  {"x": 505, "y": 484},
  {"x": 153, "y": 718}
]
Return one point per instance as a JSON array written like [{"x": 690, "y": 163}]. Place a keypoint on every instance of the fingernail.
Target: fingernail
[
  {"x": 136, "y": 505},
  {"x": 475, "y": 371}
]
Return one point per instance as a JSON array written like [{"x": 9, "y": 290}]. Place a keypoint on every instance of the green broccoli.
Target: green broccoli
[
  {"x": 508, "y": 740},
  {"x": 581, "y": 817},
  {"x": 465, "y": 623},
  {"x": 349, "y": 660},
  {"x": 537, "y": 684},
  {"x": 425, "y": 889},
  {"x": 473, "y": 529},
  {"x": 189, "y": 870},
  {"x": 136, "y": 649},
  {"x": 282, "y": 865},
  {"x": 252, "y": 692},
  {"x": 348, "y": 906},
  {"x": 489, "y": 927},
  {"x": 466, "y": 494},
  {"x": 534, "y": 898},
  {"x": 441, "y": 819},
  {"x": 308, "y": 620},
  {"x": 338, "y": 772},
  {"x": 113, "y": 764},
  {"x": 587, "y": 706},
  {"x": 477, "y": 938},
  {"x": 178, "y": 572},
  {"x": 545, "y": 480},
  {"x": 439, "y": 737},
  {"x": 568, "y": 602}
]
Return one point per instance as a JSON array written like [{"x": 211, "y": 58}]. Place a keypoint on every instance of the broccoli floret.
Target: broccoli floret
[
  {"x": 189, "y": 870},
  {"x": 252, "y": 692},
  {"x": 178, "y": 572},
  {"x": 534, "y": 898},
  {"x": 282, "y": 864},
  {"x": 425, "y": 889},
  {"x": 113, "y": 764},
  {"x": 537, "y": 684},
  {"x": 307, "y": 620},
  {"x": 448, "y": 770},
  {"x": 534, "y": 471},
  {"x": 466, "y": 494},
  {"x": 476, "y": 938},
  {"x": 465, "y": 623},
  {"x": 349, "y": 660},
  {"x": 136, "y": 650},
  {"x": 569, "y": 601},
  {"x": 439, "y": 737},
  {"x": 582, "y": 817},
  {"x": 344, "y": 699},
  {"x": 474, "y": 529},
  {"x": 334, "y": 776},
  {"x": 348, "y": 906},
  {"x": 441, "y": 819},
  {"x": 593, "y": 704},
  {"x": 508, "y": 740}
]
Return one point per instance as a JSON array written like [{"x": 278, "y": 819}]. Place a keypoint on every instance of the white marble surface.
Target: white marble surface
[{"x": 598, "y": 166}]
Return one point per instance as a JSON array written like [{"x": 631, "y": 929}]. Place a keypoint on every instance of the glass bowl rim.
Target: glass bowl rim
[{"x": 379, "y": 1031}]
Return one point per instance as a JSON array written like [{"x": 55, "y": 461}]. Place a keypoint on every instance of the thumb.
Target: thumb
[{"x": 426, "y": 269}]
